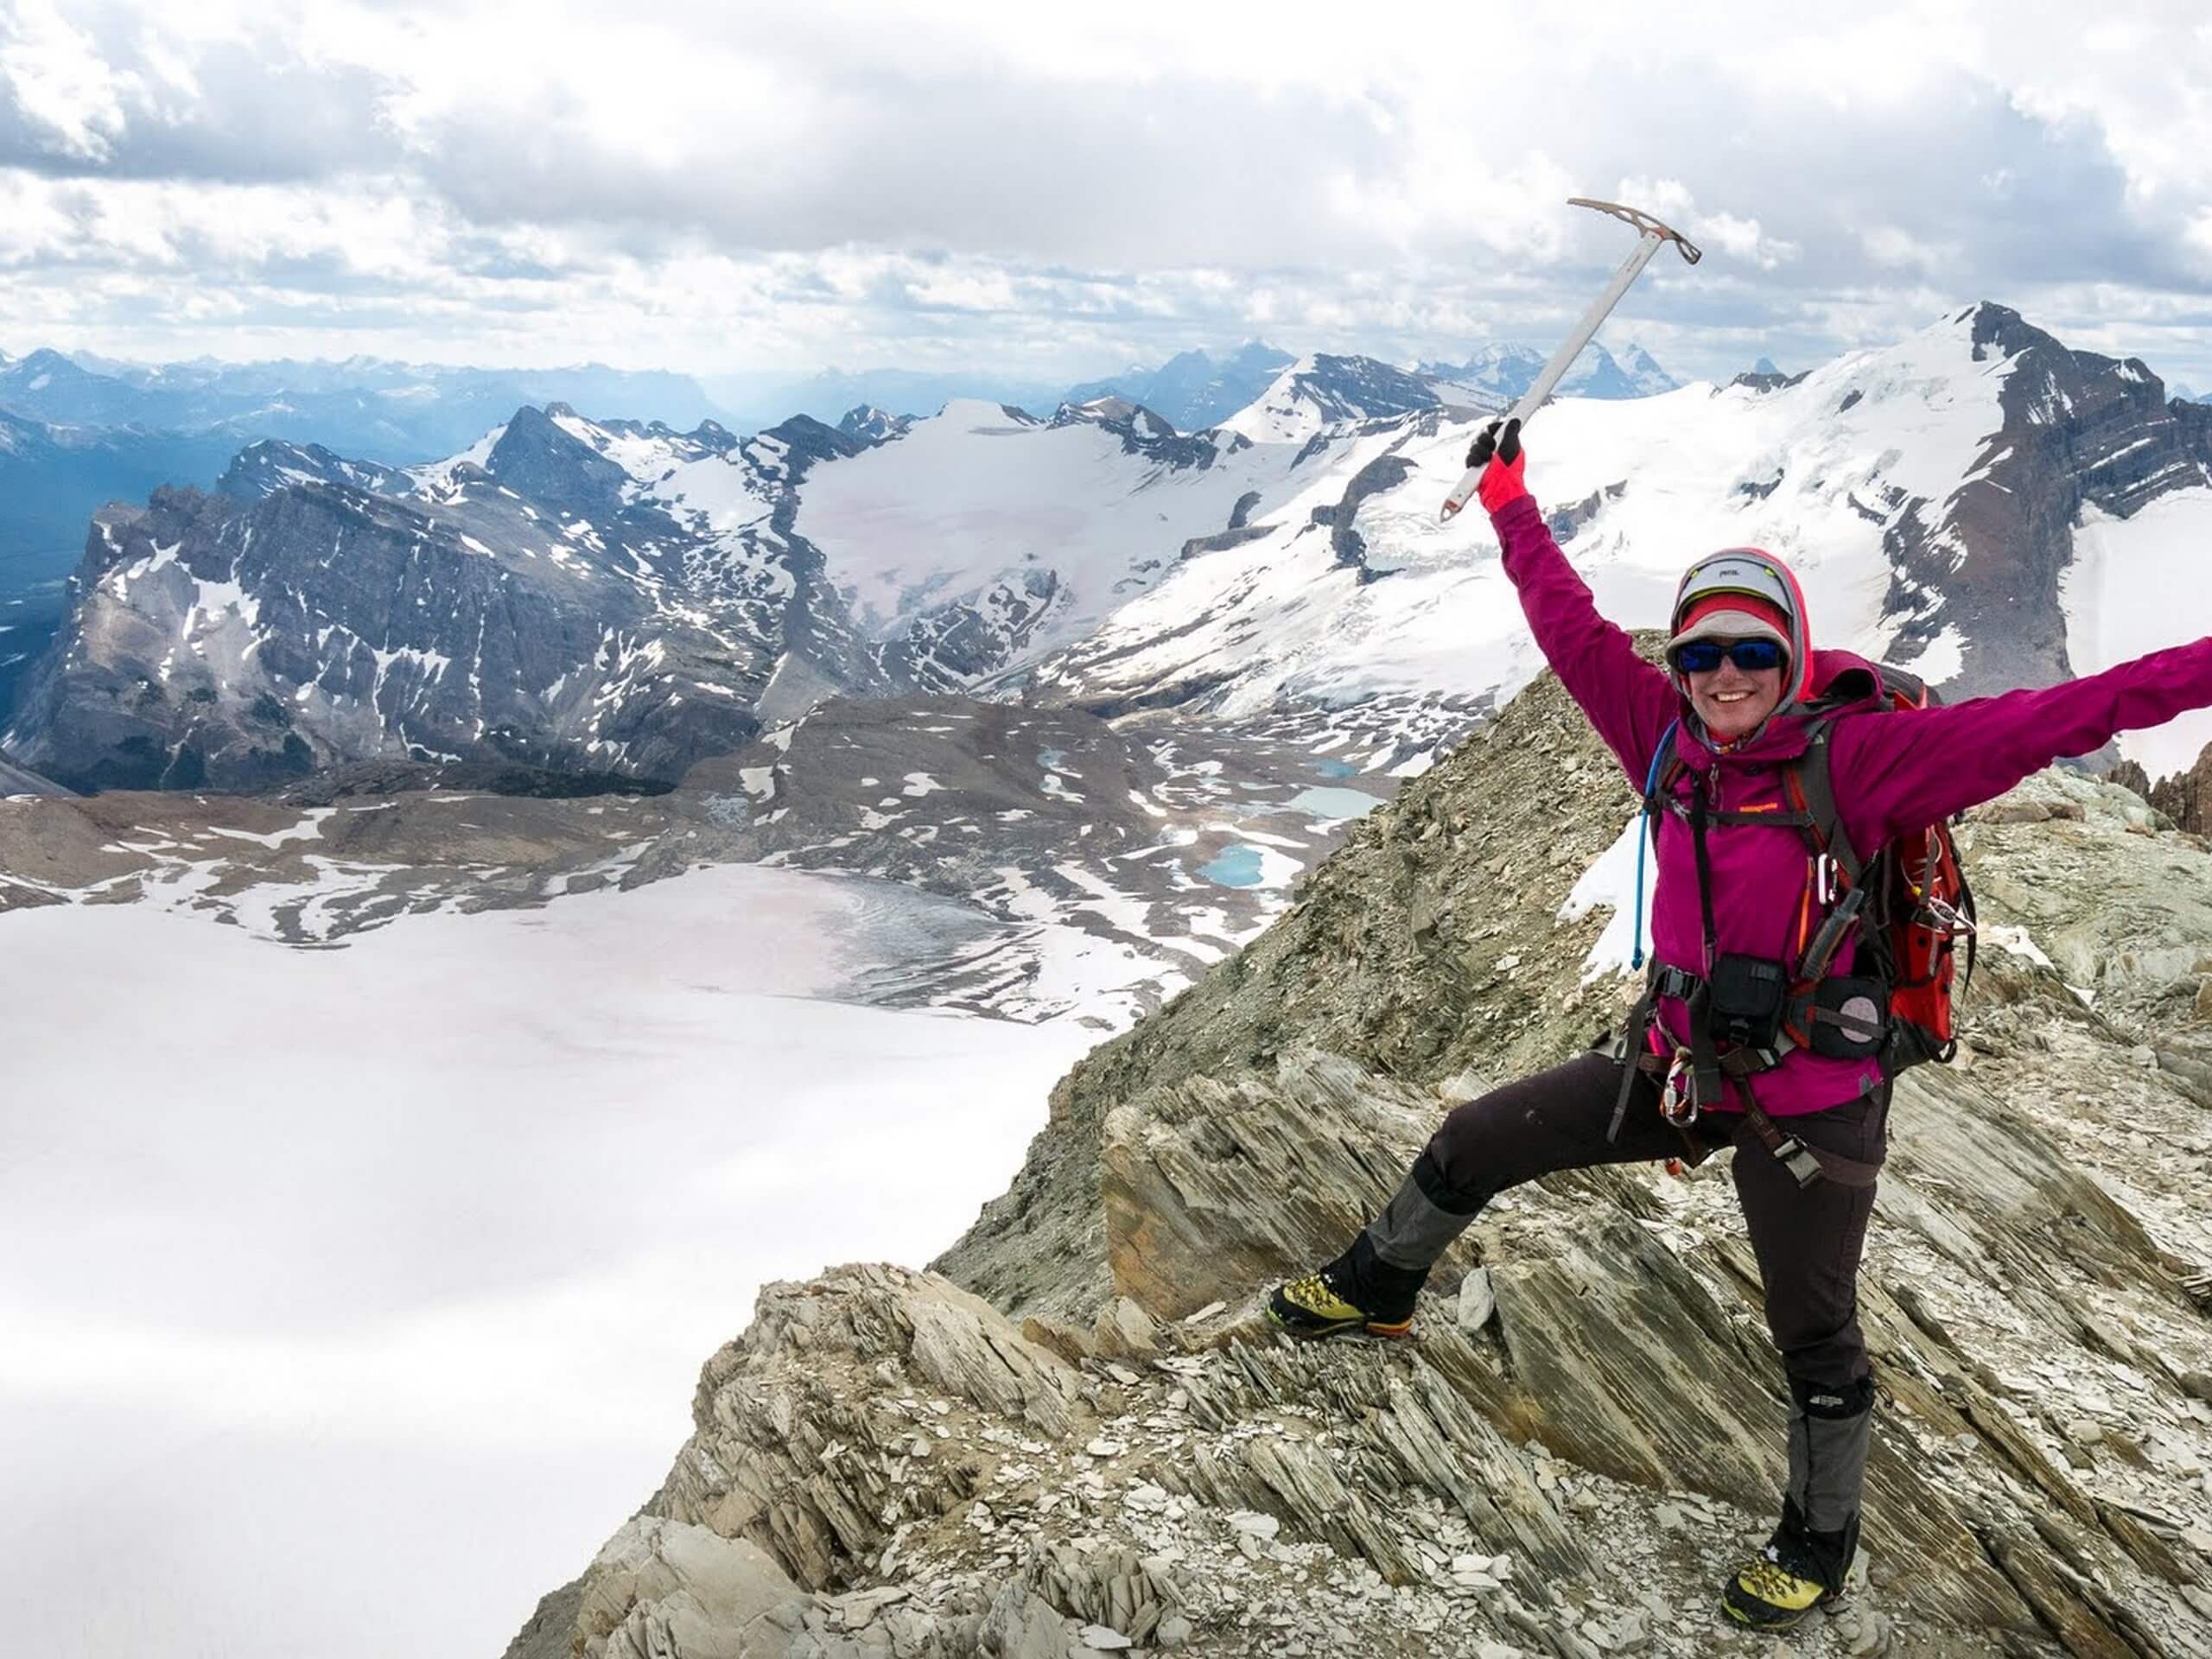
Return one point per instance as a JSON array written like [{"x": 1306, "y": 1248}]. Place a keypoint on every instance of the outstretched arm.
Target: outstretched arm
[
  {"x": 1627, "y": 699},
  {"x": 1895, "y": 771}
]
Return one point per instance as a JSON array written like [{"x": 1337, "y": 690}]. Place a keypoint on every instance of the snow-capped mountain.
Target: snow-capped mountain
[
  {"x": 1318, "y": 393},
  {"x": 1929, "y": 494},
  {"x": 984, "y": 537},
  {"x": 873, "y": 425},
  {"x": 272, "y": 464},
  {"x": 606, "y": 598},
  {"x": 610, "y": 599},
  {"x": 1640, "y": 370}
]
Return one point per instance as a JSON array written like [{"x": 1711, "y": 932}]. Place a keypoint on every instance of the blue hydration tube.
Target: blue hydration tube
[{"x": 1644, "y": 838}]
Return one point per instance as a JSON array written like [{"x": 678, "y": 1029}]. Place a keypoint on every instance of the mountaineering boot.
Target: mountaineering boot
[
  {"x": 1799, "y": 1570},
  {"x": 1804, "y": 1564},
  {"x": 1371, "y": 1286},
  {"x": 1358, "y": 1291}
]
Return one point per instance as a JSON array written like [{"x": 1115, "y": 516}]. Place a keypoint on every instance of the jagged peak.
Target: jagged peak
[{"x": 873, "y": 424}]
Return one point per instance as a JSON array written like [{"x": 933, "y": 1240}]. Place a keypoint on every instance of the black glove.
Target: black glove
[{"x": 1489, "y": 444}]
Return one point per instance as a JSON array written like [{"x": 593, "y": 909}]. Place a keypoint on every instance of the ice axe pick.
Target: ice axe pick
[{"x": 1654, "y": 234}]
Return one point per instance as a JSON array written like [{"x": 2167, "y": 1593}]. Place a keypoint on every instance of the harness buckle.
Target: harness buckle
[{"x": 1797, "y": 1158}]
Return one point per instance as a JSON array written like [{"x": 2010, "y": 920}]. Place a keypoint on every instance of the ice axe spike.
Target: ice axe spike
[{"x": 1653, "y": 235}]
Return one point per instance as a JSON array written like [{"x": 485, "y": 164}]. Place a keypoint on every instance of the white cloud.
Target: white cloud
[
  {"x": 1003, "y": 180},
  {"x": 60, "y": 81}
]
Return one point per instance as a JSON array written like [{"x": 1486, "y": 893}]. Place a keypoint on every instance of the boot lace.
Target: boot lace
[
  {"x": 1309, "y": 1291},
  {"x": 1769, "y": 1580}
]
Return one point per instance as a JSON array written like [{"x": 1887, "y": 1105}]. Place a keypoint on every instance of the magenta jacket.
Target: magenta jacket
[{"x": 1896, "y": 772}]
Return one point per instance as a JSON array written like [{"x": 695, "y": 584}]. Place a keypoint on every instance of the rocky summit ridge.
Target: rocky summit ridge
[{"x": 1076, "y": 1433}]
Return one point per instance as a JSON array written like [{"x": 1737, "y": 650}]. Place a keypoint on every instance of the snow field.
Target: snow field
[{"x": 347, "y": 1302}]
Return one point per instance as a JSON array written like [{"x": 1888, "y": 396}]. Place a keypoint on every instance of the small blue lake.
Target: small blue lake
[
  {"x": 1335, "y": 768},
  {"x": 1233, "y": 867}
]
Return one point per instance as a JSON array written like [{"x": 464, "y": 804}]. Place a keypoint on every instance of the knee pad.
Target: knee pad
[{"x": 1826, "y": 1399}]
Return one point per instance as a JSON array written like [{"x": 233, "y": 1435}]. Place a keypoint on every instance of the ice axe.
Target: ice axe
[{"x": 1654, "y": 234}]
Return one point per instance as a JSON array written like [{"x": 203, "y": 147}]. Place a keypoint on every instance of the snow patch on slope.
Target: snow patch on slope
[
  {"x": 968, "y": 501},
  {"x": 2138, "y": 584}
]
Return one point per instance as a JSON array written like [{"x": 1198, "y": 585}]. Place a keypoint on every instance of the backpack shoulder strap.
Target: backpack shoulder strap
[{"x": 1816, "y": 783}]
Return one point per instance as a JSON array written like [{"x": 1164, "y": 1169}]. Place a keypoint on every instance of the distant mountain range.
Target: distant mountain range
[
  {"x": 1506, "y": 369},
  {"x": 397, "y": 413},
  {"x": 616, "y": 598},
  {"x": 1191, "y": 390},
  {"x": 79, "y": 430},
  {"x": 756, "y": 401},
  {"x": 403, "y": 414}
]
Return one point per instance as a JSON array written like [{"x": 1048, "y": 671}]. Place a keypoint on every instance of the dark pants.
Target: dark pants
[{"x": 1808, "y": 1239}]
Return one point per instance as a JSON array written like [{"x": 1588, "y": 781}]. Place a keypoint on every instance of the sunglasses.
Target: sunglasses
[{"x": 1703, "y": 656}]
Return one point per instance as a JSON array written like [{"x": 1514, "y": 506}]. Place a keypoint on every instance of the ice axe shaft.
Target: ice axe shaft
[{"x": 1655, "y": 236}]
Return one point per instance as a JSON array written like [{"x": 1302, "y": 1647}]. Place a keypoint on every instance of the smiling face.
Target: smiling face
[{"x": 1731, "y": 702}]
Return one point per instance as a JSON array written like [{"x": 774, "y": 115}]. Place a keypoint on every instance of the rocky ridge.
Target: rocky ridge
[
  {"x": 2186, "y": 796},
  {"x": 14, "y": 780},
  {"x": 1082, "y": 1437}
]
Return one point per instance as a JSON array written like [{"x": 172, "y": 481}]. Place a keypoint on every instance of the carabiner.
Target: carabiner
[{"x": 1677, "y": 1103}]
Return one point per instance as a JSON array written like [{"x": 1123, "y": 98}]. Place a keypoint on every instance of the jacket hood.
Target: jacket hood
[{"x": 1755, "y": 571}]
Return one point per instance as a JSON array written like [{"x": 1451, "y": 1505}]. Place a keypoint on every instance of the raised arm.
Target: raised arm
[
  {"x": 1895, "y": 771},
  {"x": 1628, "y": 700}
]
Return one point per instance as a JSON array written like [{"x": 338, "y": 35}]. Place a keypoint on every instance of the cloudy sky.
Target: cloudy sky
[{"x": 1056, "y": 191}]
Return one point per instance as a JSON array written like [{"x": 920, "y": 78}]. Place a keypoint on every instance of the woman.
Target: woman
[{"x": 1737, "y": 893}]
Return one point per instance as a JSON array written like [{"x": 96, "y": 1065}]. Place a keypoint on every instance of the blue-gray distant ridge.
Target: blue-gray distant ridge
[{"x": 1191, "y": 390}]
